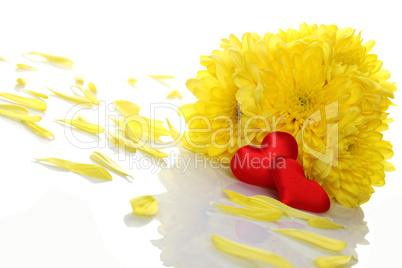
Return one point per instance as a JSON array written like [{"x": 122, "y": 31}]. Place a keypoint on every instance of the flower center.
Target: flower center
[
  {"x": 303, "y": 101},
  {"x": 351, "y": 148}
]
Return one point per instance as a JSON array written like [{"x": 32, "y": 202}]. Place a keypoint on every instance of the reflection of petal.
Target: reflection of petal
[
  {"x": 188, "y": 220},
  {"x": 247, "y": 252},
  {"x": 250, "y": 232}
]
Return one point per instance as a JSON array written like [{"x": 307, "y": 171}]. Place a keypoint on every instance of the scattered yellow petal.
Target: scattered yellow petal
[
  {"x": 161, "y": 76},
  {"x": 332, "y": 261},
  {"x": 127, "y": 108},
  {"x": 259, "y": 214},
  {"x": 323, "y": 223},
  {"x": 143, "y": 147},
  {"x": 84, "y": 126},
  {"x": 144, "y": 129},
  {"x": 65, "y": 62},
  {"x": 14, "y": 108},
  {"x": 79, "y": 79},
  {"x": 26, "y": 67},
  {"x": 108, "y": 163},
  {"x": 80, "y": 117},
  {"x": 22, "y": 81},
  {"x": 174, "y": 133},
  {"x": 116, "y": 121},
  {"x": 247, "y": 252},
  {"x": 132, "y": 81},
  {"x": 292, "y": 212},
  {"x": 17, "y": 112},
  {"x": 88, "y": 94},
  {"x": 152, "y": 151},
  {"x": 247, "y": 201},
  {"x": 174, "y": 94},
  {"x": 74, "y": 99},
  {"x": 119, "y": 141},
  {"x": 37, "y": 94},
  {"x": 315, "y": 239},
  {"x": 90, "y": 170},
  {"x": 145, "y": 205},
  {"x": 2, "y": 59},
  {"x": 92, "y": 87},
  {"x": 149, "y": 130},
  {"x": 39, "y": 130},
  {"x": 19, "y": 116},
  {"x": 28, "y": 102}
]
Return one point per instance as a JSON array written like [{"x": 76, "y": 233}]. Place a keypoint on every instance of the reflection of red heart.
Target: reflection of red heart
[
  {"x": 295, "y": 190},
  {"x": 252, "y": 165}
]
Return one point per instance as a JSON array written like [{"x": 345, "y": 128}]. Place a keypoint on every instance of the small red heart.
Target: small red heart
[
  {"x": 295, "y": 190},
  {"x": 252, "y": 165}
]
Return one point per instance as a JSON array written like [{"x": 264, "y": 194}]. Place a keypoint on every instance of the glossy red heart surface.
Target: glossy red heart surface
[
  {"x": 252, "y": 165},
  {"x": 295, "y": 190}
]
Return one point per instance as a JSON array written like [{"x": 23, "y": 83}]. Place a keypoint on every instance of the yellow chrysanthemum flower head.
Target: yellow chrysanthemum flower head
[{"x": 319, "y": 83}]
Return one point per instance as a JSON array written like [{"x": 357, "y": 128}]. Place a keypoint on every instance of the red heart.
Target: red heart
[
  {"x": 295, "y": 190},
  {"x": 251, "y": 164}
]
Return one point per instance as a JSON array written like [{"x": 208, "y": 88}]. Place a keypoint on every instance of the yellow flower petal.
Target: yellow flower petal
[
  {"x": 388, "y": 166},
  {"x": 79, "y": 80},
  {"x": 152, "y": 151},
  {"x": 37, "y": 94},
  {"x": 28, "y": 102},
  {"x": 92, "y": 87},
  {"x": 174, "y": 94},
  {"x": 144, "y": 127},
  {"x": 19, "y": 116},
  {"x": 174, "y": 133},
  {"x": 143, "y": 147},
  {"x": 84, "y": 126},
  {"x": 323, "y": 223},
  {"x": 39, "y": 130},
  {"x": 332, "y": 261},
  {"x": 65, "y": 62},
  {"x": 119, "y": 141},
  {"x": 80, "y": 117},
  {"x": 26, "y": 67},
  {"x": 292, "y": 212},
  {"x": 108, "y": 163},
  {"x": 313, "y": 238},
  {"x": 116, "y": 121},
  {"x": 18, "y": 113},
  {"x": 161, "y": 76},
  {"x": 14, "y": 108},
  {"x": 22, "y": 81},
  {"x": 259, "y": 214},
  {"x": 2, "y": 59},
  {"x": 247, "y": 201},
  {"x": 247, "y": 252},
  {"x": 74, "y": 99},
  {"x": 145, "y": 205},
  {"x": 90, "y": 170},
  {"x": 132, "y": 81},
  {"x": 88, "y": 94},
  {"x": 127, "y": 108}
]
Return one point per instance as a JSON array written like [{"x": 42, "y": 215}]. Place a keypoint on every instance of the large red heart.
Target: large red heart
[
  {"x": 251, "y": 164},
  {"x": 295, "y": 190}
]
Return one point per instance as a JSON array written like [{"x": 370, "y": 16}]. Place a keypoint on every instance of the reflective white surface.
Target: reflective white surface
[{"x": 188, "y": 220}]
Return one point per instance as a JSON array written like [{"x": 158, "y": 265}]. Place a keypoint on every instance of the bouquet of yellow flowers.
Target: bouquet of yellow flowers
[{"x": 320, "y": 84}]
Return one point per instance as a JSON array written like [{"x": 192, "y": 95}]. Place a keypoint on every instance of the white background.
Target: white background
[{"x": 110, "y": 41}]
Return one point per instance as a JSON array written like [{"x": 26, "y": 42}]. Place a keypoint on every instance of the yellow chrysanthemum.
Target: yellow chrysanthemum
[{"x": 319, "y": 84}]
